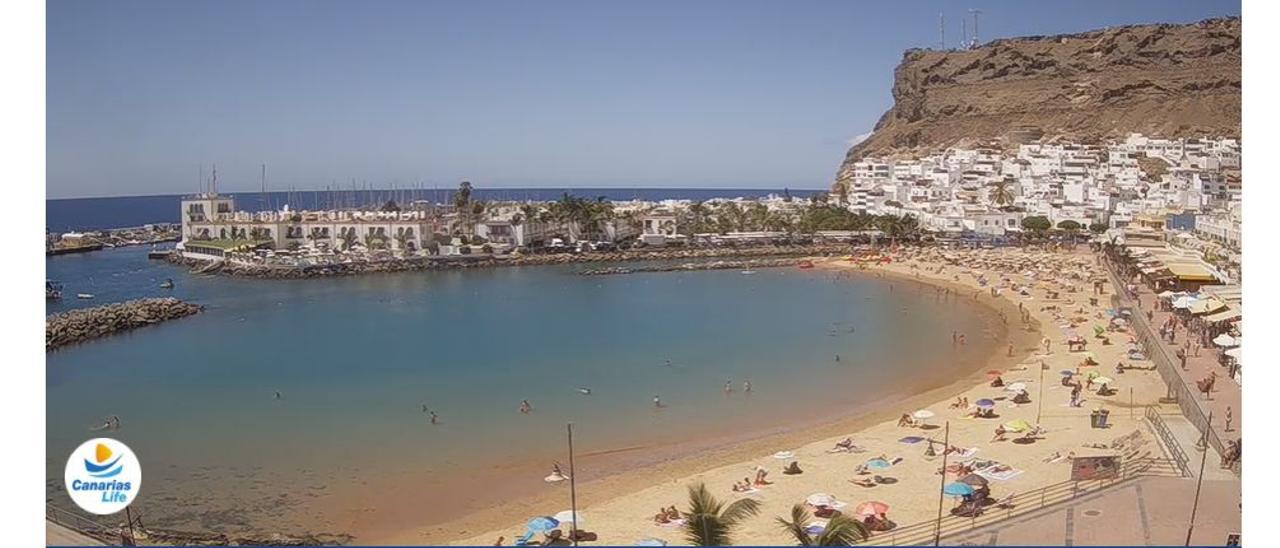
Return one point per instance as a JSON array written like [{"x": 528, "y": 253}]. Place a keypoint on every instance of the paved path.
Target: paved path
[
  {"x": 1226, "y": 393},
  {"x": 1147, "y": 512},
  {"x": 57, "y": 535}
]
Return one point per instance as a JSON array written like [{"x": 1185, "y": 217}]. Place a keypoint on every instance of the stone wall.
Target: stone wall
[{"x": 82, "y": 325}]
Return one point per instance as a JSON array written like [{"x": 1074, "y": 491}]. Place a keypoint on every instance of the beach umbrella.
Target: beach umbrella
[
  {"x": 1017, "y": 425},
  {"x": 871, "y": 508},
  {"x": 1226, "y": 341},
  {"x": 974, "y": 480},
  {"x": 923, "y": 414},
  {"x": 1234, "y": 353},
  {"x": 1016, "y": 387},
  {"x": 878, "y": 463},
  {"x": 651, "y": 542},
  {"x": 542, "y": 524},
  {"x": 567, "y": 517},
  {"x": 1103, "y": 380},
  {"x": 1067, "y": 372},
  {"x": 994, "y": 373},
  {"x": 820, "y": 499},
  {"x": 1184, "y": 302},
  {"x": 958, "y": 489},
  {"x": 985, "y": 403},
  {"x": 815, "y": 527},
  {"x": 911, "y": 439}
]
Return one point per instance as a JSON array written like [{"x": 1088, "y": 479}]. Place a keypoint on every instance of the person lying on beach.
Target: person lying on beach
[
  {"x": 997, "y": 382},
  {"x": 792, "y": 469},
  {"x": 846, "y": 446},
  {"x": 863, "y": 482}
]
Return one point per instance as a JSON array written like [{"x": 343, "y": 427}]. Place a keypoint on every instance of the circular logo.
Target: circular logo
[{"x": 103, "y": 476}]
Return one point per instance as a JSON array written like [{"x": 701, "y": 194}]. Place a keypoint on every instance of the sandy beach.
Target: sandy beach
[{"x": 619, "y": 508}]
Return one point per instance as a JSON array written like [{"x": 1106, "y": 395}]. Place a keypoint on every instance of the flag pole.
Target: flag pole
[{"x": 1204, "y": 455}]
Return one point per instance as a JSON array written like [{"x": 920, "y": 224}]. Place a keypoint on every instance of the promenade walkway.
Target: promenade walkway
[
  {"x": 1226, "y": 393},
  {"x": 57, "y": 535}
]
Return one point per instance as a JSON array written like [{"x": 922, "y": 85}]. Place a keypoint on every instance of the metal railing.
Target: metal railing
[
  {"x": 1020, "y": 504},
  {"x": 1165, "y": 363},
  {"x": 1170, "y": 443},
  {"x": 88, "y": 527}
]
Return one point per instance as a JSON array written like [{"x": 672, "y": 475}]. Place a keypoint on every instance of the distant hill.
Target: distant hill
[{"x": 1168, "y": 80}]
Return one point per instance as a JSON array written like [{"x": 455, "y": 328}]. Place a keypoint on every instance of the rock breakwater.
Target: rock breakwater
[{"x": 82, "y": 325}]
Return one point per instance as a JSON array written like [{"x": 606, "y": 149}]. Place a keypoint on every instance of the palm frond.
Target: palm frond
[
  {"x": 842, "y": 530},
  {"x": 796, "y": 525}
]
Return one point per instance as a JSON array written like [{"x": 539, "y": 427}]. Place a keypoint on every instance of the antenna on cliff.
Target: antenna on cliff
[
  {"x": 213, "y": 186},
  {"x": 262, "y": 198},
  {"x": 964, "y": 36},
  {"x": 975, "y": 13},
  {"x": 942, "y": 32}
]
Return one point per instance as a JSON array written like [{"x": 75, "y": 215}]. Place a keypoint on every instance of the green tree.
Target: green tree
[
  {"x": 1036, "y": 223},
  {"x": 1069, "y": 225},
  {"x": 1098, "y": 228},
  {"x": 1001, "y": 195},
  {"x": 841, "y": 530},
  {"x": 709, "y": 522}
]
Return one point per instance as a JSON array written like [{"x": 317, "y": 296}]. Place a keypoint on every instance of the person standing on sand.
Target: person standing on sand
[
  {"x": 657, "y": 402},
  {"x": 435, "y": 419},
  {"x": 746, "y": 386},
  {"x": 728, "y": 387},
  {"x": 500, "y": 540}
]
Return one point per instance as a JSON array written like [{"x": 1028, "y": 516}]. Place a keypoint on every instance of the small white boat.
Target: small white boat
[
  {"x": 84, "y": 295},
  {"x": 748, "y": 272}
]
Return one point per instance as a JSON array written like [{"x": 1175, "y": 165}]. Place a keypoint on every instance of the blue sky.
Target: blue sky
[{"x": 738, "y": 94}]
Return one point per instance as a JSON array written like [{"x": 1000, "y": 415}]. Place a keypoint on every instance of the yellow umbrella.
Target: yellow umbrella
[{"x": 1018, "y": 425}]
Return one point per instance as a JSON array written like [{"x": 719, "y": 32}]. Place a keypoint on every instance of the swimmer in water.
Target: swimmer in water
[
  {"x": 837, "y": 357},
  {"x": 435, "y": 419},
  {"x": 525, "y": 407},
  {"x": 728, "y": 387},
  {"x": 657, "y": 402},
  {"x": 746, "y": 385},
  {"x": 424, "y": 408},
  {"x": 278, "y": 396},
  {"x": 668, "y": 363},
  {"x": 584, "y": 390}
]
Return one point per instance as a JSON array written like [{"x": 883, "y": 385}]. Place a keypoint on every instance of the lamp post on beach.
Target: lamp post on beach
[
  {"x": 573, "y": 492},
  {"x": 1204, "y": 455},
  {"x": 942, "y": 485}
]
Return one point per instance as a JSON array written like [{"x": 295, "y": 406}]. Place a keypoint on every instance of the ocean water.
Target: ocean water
[
  {"x": 355, "y": 359},
  {"x": 68, "y": 214}
]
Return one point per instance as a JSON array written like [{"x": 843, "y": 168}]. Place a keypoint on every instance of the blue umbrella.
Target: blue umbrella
[
  {"x": 1067, "y": 372},
  {"x": 985, "y": 403},
  {"x": 542, "y": 524},
  {"x": 958, "y": 489},
  {"x": 878, "y": 464},
  {"x": 651, "y": 542},
  {"x": 911, "y": 439}
]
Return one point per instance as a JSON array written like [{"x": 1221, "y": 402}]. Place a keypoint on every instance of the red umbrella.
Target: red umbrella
[
  {"x": 994, "y": 372},
  {"x": 871, "y": 508}
]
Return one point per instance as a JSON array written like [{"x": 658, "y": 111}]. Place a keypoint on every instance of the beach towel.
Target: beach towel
[
  {"x": 673, "y": 523},
  {"x": 524, "y": 540},
  {"x": 966, "y": 453},
  {"x": 1003, "y": 475}
]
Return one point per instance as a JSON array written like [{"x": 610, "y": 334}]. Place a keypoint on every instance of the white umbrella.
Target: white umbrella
[
  {"x": 1016, "y": 387},
  {"x": 1234, "y": 353},
  {"x": 923, "y": 414},
  {"x": 1226, "y": 341},
  {"x": 820, "y": 499},
  {"x": 567, "y": 517},
  {"x": 1183, "y": 302}
]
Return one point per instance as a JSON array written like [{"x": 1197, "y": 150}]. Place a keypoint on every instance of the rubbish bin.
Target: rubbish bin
[{"x": 1098, "y": 418}]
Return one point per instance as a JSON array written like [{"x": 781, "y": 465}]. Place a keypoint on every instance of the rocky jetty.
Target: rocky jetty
[
  {"x": 694, "y": 266},
  {"x": 1164, "y": 80},
  {"x": 229, "y": 268},
  {"x": 90, "y": 323}
]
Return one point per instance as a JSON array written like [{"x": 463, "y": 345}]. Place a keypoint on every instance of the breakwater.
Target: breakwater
[
  {"x": 356, "y": 267},
  {"x": 90, "y": 323}
]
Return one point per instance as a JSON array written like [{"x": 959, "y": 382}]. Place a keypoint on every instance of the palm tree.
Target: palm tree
[
  {"x": 709, "y": 522},
  {"x": 348, "y": 237},
  {"x": 841, "y": 530},
  {"x": 1001, "y": 195}
]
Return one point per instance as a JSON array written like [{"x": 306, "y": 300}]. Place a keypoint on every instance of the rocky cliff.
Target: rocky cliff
[{"x": 1168, "y": 80}]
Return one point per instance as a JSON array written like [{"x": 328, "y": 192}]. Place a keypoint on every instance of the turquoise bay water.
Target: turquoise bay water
[{"x": 355, "y": 359}]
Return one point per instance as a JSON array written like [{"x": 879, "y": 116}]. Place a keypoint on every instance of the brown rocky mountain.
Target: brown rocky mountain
[{"x": 1168, "y": 80}]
